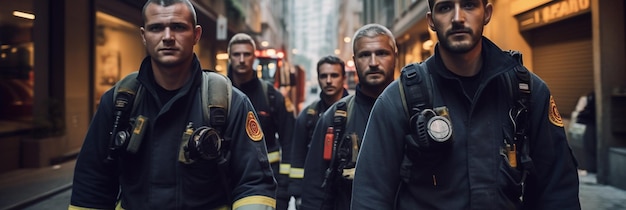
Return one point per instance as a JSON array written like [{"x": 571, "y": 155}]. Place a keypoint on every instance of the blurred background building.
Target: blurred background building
[{"x": 58, "y": 57}]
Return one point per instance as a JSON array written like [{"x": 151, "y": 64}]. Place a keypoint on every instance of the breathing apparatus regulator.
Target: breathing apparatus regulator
[
  {"x": 432, "y": 129},
  {"x": 202, "y": 143}
]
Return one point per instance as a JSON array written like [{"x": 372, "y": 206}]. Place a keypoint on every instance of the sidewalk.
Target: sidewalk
[
  {"x": 24, "y": 187},
  {"x": 601, "y": 197},
  {"x": 27, "y": 186}
]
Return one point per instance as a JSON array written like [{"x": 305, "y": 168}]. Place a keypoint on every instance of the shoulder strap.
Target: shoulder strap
[
  {"x": 416, "y": 88},
  {"x": 129, "y": 84},
  {"x": 270, "y": 97},
  {"x": 519, "y": 82},
  {"x": 350, "y": 101},
  {"x": 311, "y": 115},
  {"x": 215, "y": 100}
]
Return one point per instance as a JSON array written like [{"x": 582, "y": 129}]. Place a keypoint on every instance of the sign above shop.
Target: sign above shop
[{"x": 552, "y": 12}]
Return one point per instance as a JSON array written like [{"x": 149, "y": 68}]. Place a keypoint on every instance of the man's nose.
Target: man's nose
[
  {"x": 167, "y": 34},
  {"x": 459, "y": 16},
  {"x": 373, "y": 60}
]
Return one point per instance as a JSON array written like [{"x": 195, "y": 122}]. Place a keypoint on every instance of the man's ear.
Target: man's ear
[
  {"x": 142, "y": 31},
  {"x": 488, "y": 13},
  {"x": 431, "y": 25},
  {"x": 198, "y": 33}
]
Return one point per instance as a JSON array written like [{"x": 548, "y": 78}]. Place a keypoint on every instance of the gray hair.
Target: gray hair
[{"x": 374, "y": 30}]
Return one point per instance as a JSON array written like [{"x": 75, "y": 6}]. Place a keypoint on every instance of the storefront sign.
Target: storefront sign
[{"x": 552, "y": 12}]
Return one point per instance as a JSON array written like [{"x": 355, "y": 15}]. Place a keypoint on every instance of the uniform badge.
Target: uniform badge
[
  {"x": 252, "y": 128},
  {"x": 288, "y": 105},
  {"x": 553, "y": 114},
  {"x": 311, "y": 111}
]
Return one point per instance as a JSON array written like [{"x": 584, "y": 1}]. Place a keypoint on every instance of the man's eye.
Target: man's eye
[
  {"x": 444, "y": 8},
  {"x": 178, "y": 27},
  {"x": 469, "y": 5},
  {"x": 363, "y": 55},
  {"x": 155, "y": 28},
  {"x": 247, "y": 54},
  {"x": 334, "y": 75},
  {"x": 382, "y": 53}
]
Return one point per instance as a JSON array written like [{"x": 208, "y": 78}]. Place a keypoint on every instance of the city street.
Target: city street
[{"x": 48, "y": 188}]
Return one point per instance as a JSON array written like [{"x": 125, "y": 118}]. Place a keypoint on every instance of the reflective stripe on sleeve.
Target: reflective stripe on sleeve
[
  {"x": 72, "y": 207},
  {"x": 284, "y": 168},
  {"x": 256, "y": 202},
  {"x": 296, "y": 173},
  {"x": 273, "y": 157}
]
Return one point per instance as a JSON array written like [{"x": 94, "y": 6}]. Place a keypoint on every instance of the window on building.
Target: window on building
[{"x": 16, "y": 65}]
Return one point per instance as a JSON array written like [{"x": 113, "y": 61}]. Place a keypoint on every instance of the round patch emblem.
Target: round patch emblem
[
  {"x": 252, "y": 128},
  {"x": 439, "y": 128},
  {"x": 553, "y": 114}
]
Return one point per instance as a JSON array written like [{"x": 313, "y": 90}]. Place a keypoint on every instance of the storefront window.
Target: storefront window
[
  {"x": 16, "y": 65},
  {"x": 119, "y": 51}
]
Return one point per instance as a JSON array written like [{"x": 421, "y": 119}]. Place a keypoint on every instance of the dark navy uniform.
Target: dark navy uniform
[
  {"x": 302, "y": 132},
  {"x": 153, "y": 178},
  {"x": 277, "y": 126},
  {"x": 336, "y": 195},
  {"x": 474, "y": 174}
]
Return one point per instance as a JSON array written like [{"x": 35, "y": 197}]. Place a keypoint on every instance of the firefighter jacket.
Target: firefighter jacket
[
  {"x": 153, "y": 177},
  {"x": 303, "y": 129},
  {"x": 336, "y": 193},
  {"x": 474, "y": 174},
  {"x": 277, "y": 119}
]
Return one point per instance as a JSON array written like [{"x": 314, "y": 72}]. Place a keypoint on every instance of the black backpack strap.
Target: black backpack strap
[
  {"x": 125, "y": 99},
  {"x": 215, "y": 101},
  {"x": 519, "y": 81},
  {"x": 416, "y": 88},
  {"x": 312, "y": 116},
  {"x": 129, "y": 84},
  {"x": 270, "y": 97}
]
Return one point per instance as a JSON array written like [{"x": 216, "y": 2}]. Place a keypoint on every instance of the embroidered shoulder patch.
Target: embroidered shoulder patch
[
  {"x": 553, "y": 114},
  {"x": 252, "y": 128}
]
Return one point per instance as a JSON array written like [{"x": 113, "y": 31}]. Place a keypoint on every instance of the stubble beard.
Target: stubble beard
[{"x": 458, "y": 47}]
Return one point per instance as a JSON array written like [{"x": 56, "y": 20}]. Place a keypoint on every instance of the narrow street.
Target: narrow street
[{"x": 50, "y": 188}]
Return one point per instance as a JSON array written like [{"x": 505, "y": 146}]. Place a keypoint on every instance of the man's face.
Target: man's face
[
  {"x": 459, "y": 23},
  {"x": 169, "y": 35},
  {"x": 375, "y": 61},
  {"x": 241, "y": 57},
  {"x": 330, "y": 79}
]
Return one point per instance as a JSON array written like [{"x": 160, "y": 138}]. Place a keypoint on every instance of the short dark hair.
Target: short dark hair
[
  {"x": 334, "y": 60},
  {"x": 165, "y": 3},
  {"x": 431, "y": 3}
]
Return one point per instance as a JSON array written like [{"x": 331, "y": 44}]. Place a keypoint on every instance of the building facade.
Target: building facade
[{"x": 61, "y": 56}]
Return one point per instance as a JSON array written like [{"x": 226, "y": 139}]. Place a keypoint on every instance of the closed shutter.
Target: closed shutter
[{"x": 563, "y": 58}]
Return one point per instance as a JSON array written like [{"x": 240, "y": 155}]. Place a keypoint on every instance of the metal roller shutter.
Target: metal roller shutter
[{"x": 563, "y": 58}]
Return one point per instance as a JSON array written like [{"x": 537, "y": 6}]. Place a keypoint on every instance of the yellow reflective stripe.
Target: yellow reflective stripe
[
  {"x": 222, "y": 208},
  {"x": 273, "y": 157},
  {"x": 284, "y": 168},
  {"x": 71, "y": 207},
  {"x": 296, "y": 173},
  {"x": 255, "y": 200}
]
